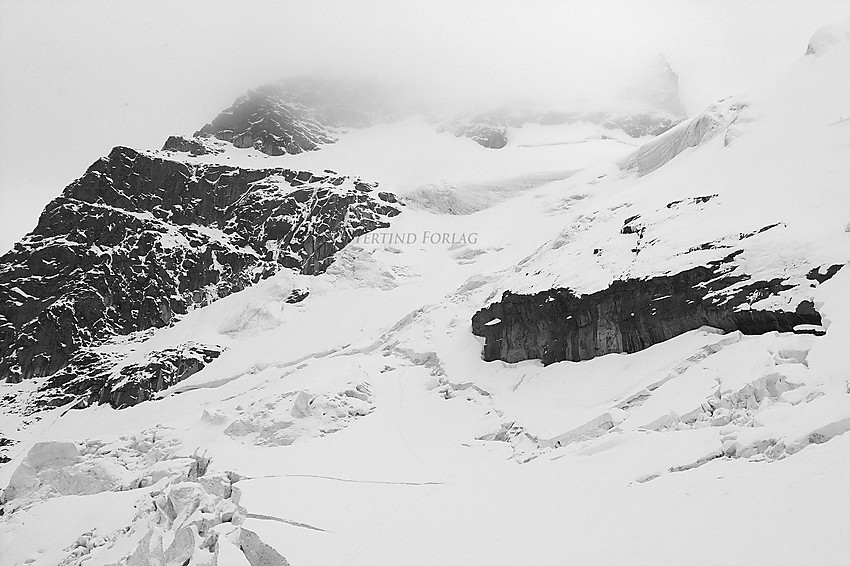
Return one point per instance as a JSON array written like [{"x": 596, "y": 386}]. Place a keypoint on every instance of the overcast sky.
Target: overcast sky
[{"x": 77, "y": 78}]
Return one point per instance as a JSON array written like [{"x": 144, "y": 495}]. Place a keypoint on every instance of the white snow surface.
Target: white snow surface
[{"x": 365, "y": 428}]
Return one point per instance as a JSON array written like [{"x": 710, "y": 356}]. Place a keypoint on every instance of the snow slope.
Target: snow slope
[{"x": 361, "y": 426}]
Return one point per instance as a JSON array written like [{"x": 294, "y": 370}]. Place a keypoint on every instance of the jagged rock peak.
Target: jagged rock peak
[
  {"x": 292, "y": 116},
  {"x": 269, "y": 121}
]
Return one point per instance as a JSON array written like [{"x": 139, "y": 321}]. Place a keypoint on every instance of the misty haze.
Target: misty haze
[{"x": 308, "y": 283}]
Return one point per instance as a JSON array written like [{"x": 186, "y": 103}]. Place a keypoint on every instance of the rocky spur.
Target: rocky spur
[{"x": 424, "y": 237}]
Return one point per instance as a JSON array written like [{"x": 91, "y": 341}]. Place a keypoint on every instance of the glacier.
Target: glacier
[{"x": 307, "y": 397}]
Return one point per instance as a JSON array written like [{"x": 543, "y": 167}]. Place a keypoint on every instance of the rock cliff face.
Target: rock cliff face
[
  {"x": 628, "y": 316},
  {"x": 140, "y": 239}
]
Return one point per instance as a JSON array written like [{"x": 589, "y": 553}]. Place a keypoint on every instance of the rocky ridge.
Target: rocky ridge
[
  {"x": 139, "y": 240},
  {"x": 265, "y": 120},
  {"x": 290, "y": 116},
  {"x": 94, "y": 377}
]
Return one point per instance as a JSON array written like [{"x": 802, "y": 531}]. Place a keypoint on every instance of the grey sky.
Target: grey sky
[{"x": 77, "y": 78}]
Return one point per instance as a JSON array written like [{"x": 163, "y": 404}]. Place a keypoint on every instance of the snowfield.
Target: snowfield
[{"x": 360, "y": 426}]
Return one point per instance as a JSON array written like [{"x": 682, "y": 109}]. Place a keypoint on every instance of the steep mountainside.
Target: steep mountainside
[{"x": 140, "y": 239}]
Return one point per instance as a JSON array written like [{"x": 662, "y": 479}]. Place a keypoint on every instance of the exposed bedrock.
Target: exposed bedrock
[
  {"x": 628, "y": 316},
  {"x": 491, "y": 137},
  {"x": 139, "y": 239},
  {"x": 268, "y": 120},
  {"x": 193, "y": 146},
  {"x": 93, "y": 377}
]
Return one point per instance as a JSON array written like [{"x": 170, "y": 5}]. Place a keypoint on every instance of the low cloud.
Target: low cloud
[{"x": 79, "y": 78}]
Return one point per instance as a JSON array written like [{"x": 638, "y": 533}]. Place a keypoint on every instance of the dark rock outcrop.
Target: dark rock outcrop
[
  {"x": 269, "y": 121},
  {"x": 91, "y": 377},
  {"x": 293, "y": 116},
  {"x": 628, "y": 316},
  {"x": 491, "y": 137},
  {"x": 5, "y": 443},
  {"x": 490, "y": 129},
  {"x": 193, "y": 146},
  {"x": 140, "y": 239}
]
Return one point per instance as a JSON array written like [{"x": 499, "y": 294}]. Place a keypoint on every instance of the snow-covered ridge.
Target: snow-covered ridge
[{"x": 718, "y": 118}]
